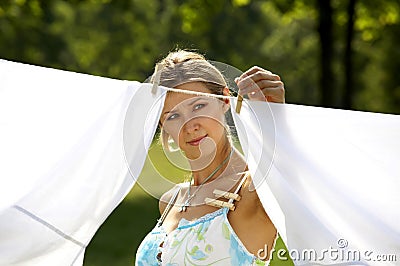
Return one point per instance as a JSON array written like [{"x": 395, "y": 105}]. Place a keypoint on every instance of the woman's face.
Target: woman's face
[{"x": 194, "y": 121}]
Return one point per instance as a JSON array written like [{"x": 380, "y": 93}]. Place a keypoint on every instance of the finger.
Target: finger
[
  {"x": 258, "y": 73},
  {"x": 253, "y": 70},
  {"x": 274, "y": 94},
  {"x": 256, "y": 96},
  {"x": 256, "y": 77},
  {"x": 272, "y": 91},
  {"x": 259, "y": 85}
]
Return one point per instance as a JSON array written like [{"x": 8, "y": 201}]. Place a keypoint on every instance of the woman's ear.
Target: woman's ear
[
  {"x": 225, "y": 92},
  {"x": 168, "y": 142},
  {"x": 164, "y": 138}
]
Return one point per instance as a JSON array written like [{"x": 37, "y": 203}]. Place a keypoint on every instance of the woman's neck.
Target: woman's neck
[{"x": 220, "y": 161}]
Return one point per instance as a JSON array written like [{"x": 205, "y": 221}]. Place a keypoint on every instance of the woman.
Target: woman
[{"x": 200, "y": 222}]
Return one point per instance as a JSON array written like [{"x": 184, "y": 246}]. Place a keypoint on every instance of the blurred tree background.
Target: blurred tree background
[{"x": 331, "y": 53}]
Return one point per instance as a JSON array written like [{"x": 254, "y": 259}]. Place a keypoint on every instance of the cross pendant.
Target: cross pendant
[{"x": 183, "y": 208}]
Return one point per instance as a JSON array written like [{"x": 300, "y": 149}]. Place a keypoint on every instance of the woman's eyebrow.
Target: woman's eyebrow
[
  {"x": 195, "y": 100},
  {"x": 166, "y": 112},
  {"x": 190, "y": 103}
]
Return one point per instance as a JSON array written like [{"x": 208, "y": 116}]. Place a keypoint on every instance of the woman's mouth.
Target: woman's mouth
[{"x": 196, "y": 141}]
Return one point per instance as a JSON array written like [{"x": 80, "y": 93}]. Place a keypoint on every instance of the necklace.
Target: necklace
[{"x": 191, "y": 196}]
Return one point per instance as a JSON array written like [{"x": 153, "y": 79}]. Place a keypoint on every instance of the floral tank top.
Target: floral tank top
[
  {"x": 208, "y": 240},
  {"x": 204, "y": 241}
]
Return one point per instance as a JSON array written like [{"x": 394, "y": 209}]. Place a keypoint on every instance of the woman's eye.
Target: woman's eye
[
  {"x": 198, "y": 106},
  {"x": 173, "y": 116}
]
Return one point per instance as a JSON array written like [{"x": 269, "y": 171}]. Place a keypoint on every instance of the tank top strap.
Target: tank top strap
[
  {"x": 245, "y": 176},
  {"x": 169, "y": 206}
]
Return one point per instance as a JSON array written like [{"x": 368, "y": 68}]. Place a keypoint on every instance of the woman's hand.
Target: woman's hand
[{"x": 262, "y": 85}]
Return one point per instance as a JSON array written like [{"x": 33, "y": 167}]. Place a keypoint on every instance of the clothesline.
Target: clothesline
[{"x": 72, "y": 148}]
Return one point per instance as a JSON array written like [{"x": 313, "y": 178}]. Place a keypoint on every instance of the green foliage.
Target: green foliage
[
  {"x": 123, "y": 39},
  {"x": 378, "y": 84}
]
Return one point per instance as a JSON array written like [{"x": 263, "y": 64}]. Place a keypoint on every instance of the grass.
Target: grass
[{"x": 117, "y": 240}]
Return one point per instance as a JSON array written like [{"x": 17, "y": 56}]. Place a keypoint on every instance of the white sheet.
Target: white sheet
[
  {"x": 335, "y": 177},
  {"x": 63, "y": 166},
  {"x": 326, "y": 177}
]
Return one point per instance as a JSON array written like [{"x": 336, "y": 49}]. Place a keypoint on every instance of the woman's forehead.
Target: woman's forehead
[{"x": 175, "y": 98}]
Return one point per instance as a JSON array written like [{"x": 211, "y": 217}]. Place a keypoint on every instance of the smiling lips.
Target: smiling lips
[{"x": 196, "y": 142}]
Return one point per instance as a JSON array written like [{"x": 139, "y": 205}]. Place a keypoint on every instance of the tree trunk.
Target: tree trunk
[
  {"x": 326, "y": 41},
  {"x": 348, "y": 91}
]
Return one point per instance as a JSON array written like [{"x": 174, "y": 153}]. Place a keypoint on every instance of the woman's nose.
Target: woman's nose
[{"x": 191, "y": 125}]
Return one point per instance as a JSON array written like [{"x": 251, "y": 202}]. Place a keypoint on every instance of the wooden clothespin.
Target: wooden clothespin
[
  {"x": 157, "y": 75},
  {"x": 219, "y": 203},
  {"x": 226, "y": 194},
  {"x": 239, "y": 103}
]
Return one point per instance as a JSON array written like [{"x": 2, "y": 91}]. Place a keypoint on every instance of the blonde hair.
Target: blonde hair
[{"x": 182, "y": 66}]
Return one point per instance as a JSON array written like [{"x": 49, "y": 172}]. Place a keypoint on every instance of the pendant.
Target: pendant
[{"x": 183, "y": 208}]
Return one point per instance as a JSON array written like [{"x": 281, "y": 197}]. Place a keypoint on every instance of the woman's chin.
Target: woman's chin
[
  {"x": 201, "y": 159},
  {"x": 205, "y": 148},
  {"x": 195, "y": 154}
]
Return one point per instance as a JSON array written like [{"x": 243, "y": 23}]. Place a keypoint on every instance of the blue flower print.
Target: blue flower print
[
  {"x": 197, "y": 254},
  {"x": 148, "y": 254},
  {"x": 238, "y": 255},
  {"x": 201, "y": 230}
]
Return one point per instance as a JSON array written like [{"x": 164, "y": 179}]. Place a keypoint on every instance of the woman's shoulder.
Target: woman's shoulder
[{"x": 249, "y": 194}]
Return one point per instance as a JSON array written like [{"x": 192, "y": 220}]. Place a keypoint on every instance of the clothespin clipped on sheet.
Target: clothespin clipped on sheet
[
  {"x": 239, "y": 103},
  {"x": 219, "y": 203},
  {"x": 226, "y": 194},
  {"x": 157, "y": 75}
]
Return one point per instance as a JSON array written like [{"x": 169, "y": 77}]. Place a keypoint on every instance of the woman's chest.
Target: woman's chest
[
  {"x": 175, "y": 216},
  {"x": 209, "y": 239}
]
